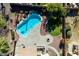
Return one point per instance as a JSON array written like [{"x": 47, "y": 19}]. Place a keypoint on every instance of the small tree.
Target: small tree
[{"x": 56, "y": 11}]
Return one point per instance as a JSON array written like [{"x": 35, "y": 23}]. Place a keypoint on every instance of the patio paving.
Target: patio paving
[{"x": 33, "y": 39}]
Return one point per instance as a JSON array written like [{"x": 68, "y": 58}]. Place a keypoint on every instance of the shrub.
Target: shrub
[
  {"x": 68, "y": 31},
  {"x": 2, "y": 22},
  {"x": 4, "y": 46},
  {"x": 56, "y": 31},
  {"x": 69, "y": 34}
]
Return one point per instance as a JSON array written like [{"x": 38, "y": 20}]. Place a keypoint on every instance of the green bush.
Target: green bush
[
  {"x": 4, "y": 46},
  {"x": 56, "y": 31},
  {"x": 2, "y": 22},
  {"x": 68, "y": 31},
  {"x": 69, "y": 34}
]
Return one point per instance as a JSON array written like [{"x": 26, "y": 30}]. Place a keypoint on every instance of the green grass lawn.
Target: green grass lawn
[{"x": 56, "y": 31}]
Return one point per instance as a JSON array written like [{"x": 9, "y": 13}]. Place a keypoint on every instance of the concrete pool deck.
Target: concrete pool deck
[
  {"x": 34, "y": 39},
  {"x": 29, "y": 51}
]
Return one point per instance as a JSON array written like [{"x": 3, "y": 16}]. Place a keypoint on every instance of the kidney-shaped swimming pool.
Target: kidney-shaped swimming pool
[{"x": 26, "y": 25}]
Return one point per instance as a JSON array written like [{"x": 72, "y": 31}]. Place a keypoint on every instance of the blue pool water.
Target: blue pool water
[{"x": 28, "y": 24}]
